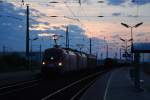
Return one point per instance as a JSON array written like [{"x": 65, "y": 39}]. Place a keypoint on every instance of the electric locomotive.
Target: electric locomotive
[
  {"x": 52, "y": 60},
  {"x": 60, "y": 60}
]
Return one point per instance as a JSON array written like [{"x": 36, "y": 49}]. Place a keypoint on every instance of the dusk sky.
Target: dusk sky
[
  {"x": 130, "y": 12},
  {"x": 83, "y": 15}
]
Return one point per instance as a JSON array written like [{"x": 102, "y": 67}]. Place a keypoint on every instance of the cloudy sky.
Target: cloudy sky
[
  {"x": 84, "y": 14},
  {"x": 82, "y": 17}
]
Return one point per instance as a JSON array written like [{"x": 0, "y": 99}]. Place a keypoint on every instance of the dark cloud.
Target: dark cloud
[
  {"x": 116, "y": 2},
  {"x": 142, "y": 34},
  {"x": 140, "y": 2},
  {"x": 56, "y": 27},
  {"x": 12, "y": 25},
  {"x": 36, "y": 13},
  {"x": 134, "y": 16},
  {"x": 75, "y": 28},
  {"x": 116, "y": 14},
  {"x": 116, "y": 36},
  {"x": 76, "y": 35}
]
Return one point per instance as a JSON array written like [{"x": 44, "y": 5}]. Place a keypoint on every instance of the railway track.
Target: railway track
[
  {"x": 70, "y": 88},
  {"x": 18, "y": 86},
  {"x": 74, "y": 90}
]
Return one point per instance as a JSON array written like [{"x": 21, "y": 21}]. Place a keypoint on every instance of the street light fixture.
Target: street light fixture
[
  {"x": 54, "y": 2},
  {"x": 100, "y": 16},
  {"x": 126, "y": 46},
  {"x": 127, "y": 26},
  {"x": 100, "y": 1},
  {"x": 122, "y": 39},
  {"x": 53, "y": 16},
  {"x": 137, "y": 25},
  {"x": 35, "y": 38}
]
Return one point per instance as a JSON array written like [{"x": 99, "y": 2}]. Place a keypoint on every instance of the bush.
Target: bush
[{"x": 12, "y": 61}]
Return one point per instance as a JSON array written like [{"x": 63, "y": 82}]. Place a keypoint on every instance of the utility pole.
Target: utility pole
[
  {"x": 120, "y": 54},
  {"x": 55, "y": 40},
  {"x": 1, "y": 6},
  {"x": 126, "y": 51},
  {"x": 90, "y": 45},
  {"x": 4, "y": 49},
  {"x": 96, "y": 55},
  {"x": 27, "y": 37},
  {"x": 143, "y": 57},
  {"x": 101, "y": 56},
  {"x": 40, "y": 53},
  {"x": 67, "y": 37},
  {"x": 115, "y": 55},
  {"x": 107, "y": 50},
  {"x": 27, "y": 32}
]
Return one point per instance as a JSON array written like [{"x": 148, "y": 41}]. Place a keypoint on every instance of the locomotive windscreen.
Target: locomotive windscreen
[{"x": 53, "y": 54}]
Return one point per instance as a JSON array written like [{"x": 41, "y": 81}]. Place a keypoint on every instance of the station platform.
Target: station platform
[{"x": 117, "y": 85}]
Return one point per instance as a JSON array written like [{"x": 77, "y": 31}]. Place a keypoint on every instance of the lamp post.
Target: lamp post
[
  {"x": 90, "y": 45},
  {"x": 120, "y": 54},
  {"x": 126, "y": 46},
  {"x": 136, "y": 59},
  {"x": 131, "y": 27}
]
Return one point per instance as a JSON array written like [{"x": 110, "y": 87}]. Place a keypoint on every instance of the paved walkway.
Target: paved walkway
[{"x": 119, "y": 86}]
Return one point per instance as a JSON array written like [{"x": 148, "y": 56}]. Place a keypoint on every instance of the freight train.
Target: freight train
[{"x": 60, "y": 60}]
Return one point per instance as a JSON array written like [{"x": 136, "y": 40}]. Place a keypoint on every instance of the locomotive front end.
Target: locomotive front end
[{"x": 52, "y": 61}]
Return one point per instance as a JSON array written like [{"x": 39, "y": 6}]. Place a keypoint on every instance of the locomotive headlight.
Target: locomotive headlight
[
  {"x": 43, "y": 63},
  {"x": 60, "y": 63},
  {"x": 52, "y": 58}
]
